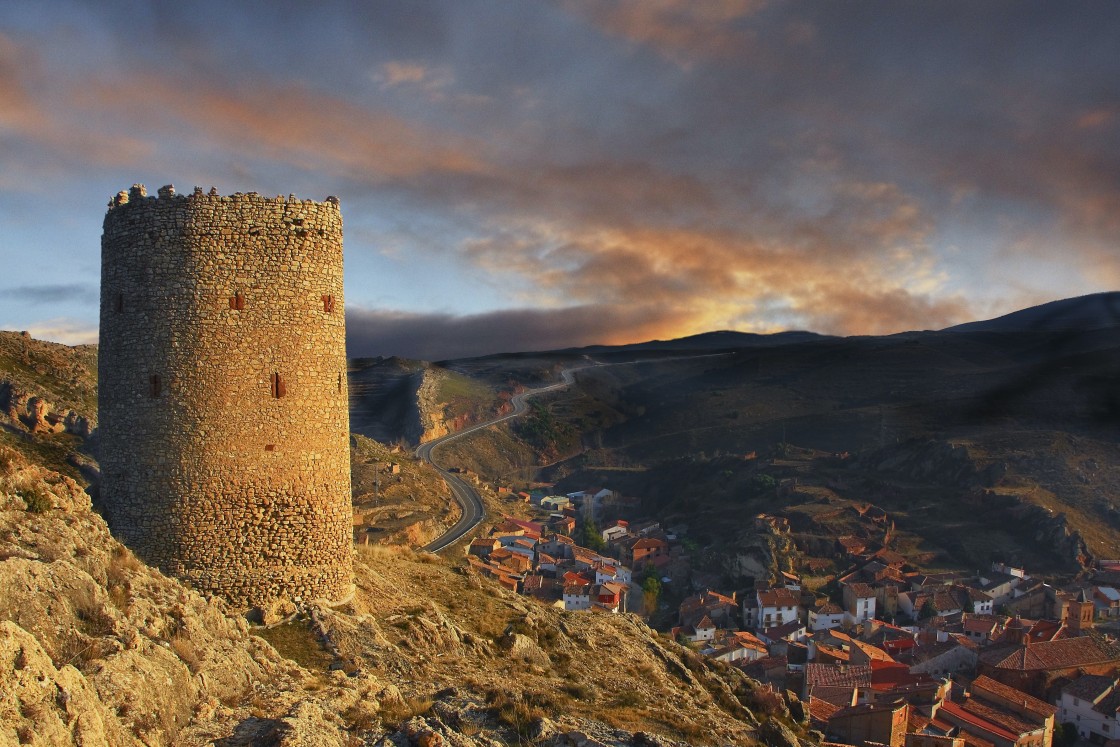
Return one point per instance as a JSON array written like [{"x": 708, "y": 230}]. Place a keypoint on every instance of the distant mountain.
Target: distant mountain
[
  {"x": 1096, "y": 311},
  {"x": 721, "y": 340}
]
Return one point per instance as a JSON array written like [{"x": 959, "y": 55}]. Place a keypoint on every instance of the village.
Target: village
[{"x": 894, "y": 656}]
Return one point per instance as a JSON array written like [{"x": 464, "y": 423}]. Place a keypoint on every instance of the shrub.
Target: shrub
[{"x": 37, "y": 499}]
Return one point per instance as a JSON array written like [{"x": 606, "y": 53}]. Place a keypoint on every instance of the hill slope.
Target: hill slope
[{"x": 96, "y": 648}]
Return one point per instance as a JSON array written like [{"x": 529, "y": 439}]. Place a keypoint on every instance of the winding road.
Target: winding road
[{"x": 465, "y": 495}]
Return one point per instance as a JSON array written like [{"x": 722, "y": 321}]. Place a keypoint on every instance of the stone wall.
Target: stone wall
[{"x": 224, "y": 433}]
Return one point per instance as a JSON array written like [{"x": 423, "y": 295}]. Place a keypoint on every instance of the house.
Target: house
[
  {"x": 736, "y": 646},
  {"x": 645, "y": 527},
  {"x": 981, "y": 629},
  {"x": 719, "y": 607},
  {"x": 1107, "y": 600},
  {"x": 859, "y": 603},
  {"x": 779, "y": 637},
  {"x": 877, "y": 723},
  {"x": 546, "y": 564},
  {"x": 835, "y": 676},
  {"x": 615, "y": 573},
  {"x": 952, "y": 655},
  {"x": 501, "y": 575},
  {"x": 704, "y": 630},
  {"x": 577, "y": 597},
  {"x": 771, "y": 608},
  {"x": 1035, "y": 668},
  {"x": 861, "y": 652},
  {"x": 555, "y": 503},
  {"x": 649, "y": 551},
  {"x": 563, "y": 525},
  {"x": 515, "y": 562},
  {"x": 1032, "y": 710},
  {"x": 483, "y": 546},
  {"x": 1000, "y": 715},
  {"x": 1092, "y": 704},
  {"x": 558, "y": 546},
  {"x": 826, "y": 616},
  {"x": 546, "y": 590},
  {"x": 1001, "y": 581},
  {"x": 529, "y": 528},
  {"x": 610, "y": 596},
  {"x": 619, "y": 528}
]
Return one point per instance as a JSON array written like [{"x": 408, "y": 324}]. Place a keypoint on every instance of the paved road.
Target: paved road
[{"x": 465, "y": 494}]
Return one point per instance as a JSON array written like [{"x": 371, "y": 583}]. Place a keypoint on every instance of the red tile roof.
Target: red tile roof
[
  {"x": 978, "y": 722},
  {"x": 779, "y": 598},
  {"x": 887, "y": 675},
  {"x": 819, "y": 712},
  {"x": 1090, "y": 687},
  {"x": 861, "y": 591},
  {"x": 984, "y": 685},
  {"x": 871, "y": 652},
  {"x": 834, "y": 675},
  {"x": 1000, "y": 717},
  {"x": 1064, "y": 653}
]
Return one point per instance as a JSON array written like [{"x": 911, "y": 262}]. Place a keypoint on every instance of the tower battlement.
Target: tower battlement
[{"x": 222, "y": 400}]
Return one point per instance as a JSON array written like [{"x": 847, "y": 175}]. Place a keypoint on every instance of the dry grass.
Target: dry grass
[
  {"x": 395, "y": 713},
  {"x": 294, "y": 640},
  {"x": 187, "y": 652}
]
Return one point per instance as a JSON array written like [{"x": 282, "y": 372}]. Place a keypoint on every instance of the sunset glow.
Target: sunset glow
[{"x": 542, "y": 174}]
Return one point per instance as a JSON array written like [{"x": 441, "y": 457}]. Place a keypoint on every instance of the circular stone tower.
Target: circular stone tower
[{"x": 222, "y": 404}]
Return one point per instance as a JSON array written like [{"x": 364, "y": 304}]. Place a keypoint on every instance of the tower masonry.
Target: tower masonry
[{"x": 223, "y": 420}]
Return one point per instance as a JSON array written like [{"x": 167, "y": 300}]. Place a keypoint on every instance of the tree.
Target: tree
[
  {"x": 1065, "y": 734},
  {"x": 928, "y": 610},
  {"x": 651, "y": 594},
  {"x": 761, "y": 483},
  {"x": 591, "y": 537}
]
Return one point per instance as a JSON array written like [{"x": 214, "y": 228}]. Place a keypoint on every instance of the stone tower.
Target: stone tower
[{"x": 222, "y": 405}]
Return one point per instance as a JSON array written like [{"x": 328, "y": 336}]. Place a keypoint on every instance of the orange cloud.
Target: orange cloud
[
  {"x": 288, "y": 124},
  {"x": 863, "y": 267},
  {"x": 680, "y": 30},
  {"x": 24, "y": 116}
]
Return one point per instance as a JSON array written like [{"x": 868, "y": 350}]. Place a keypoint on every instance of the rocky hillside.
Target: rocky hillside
[
  {"x": 48, "y": 400},
  {"x": 97, "y": 648},
  {"x": 394, "y": 400},
  {"x": 397, "y": 499}
]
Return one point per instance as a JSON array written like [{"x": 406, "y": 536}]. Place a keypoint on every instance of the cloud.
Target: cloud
[
  {"x": 24, "y": 115},
  {"x": 440, "y": 336},
  {"x": 57, "y": 293},
  {"x": 287, "y": 123},
  {"x": 860, "y": 263},
  {"x": 63, "y": 330},
  {"x": 679, "y": 30}
]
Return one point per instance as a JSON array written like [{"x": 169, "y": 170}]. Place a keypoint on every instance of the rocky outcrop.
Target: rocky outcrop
[
  {"x": 1046, "y": 529},
  {"x": 935, "y": 462},
  {"x": 34, "y": 413},
  {"x": 433, "y": 423}
]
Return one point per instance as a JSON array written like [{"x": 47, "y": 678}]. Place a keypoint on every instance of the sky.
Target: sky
[{"x": 533, "y": 175}]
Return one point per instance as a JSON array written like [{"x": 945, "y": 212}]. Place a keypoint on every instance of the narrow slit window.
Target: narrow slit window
[
  {"x": 278, "y": 388},
  {"x": 340, "y": 383},
  {"x": 237, "y": 301},
  {"x": 118, "y": 303},
  {"x": 328, "y": 304},
  {"x": 154, "y": 386}
]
